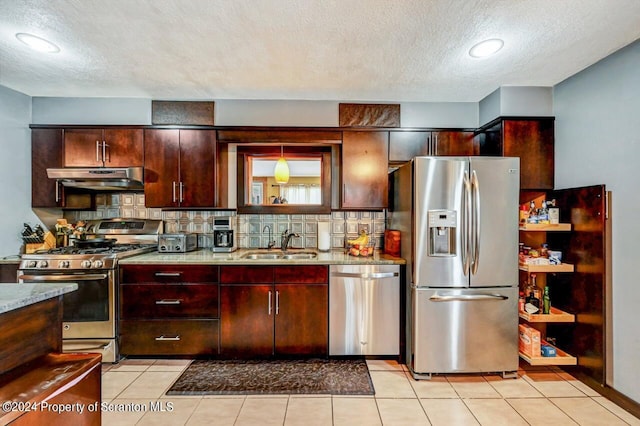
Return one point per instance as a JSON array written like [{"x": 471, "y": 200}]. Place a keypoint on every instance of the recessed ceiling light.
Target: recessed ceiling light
[
  {"x": 486, "y": 48},
  {"x": 37, "y": 43}
]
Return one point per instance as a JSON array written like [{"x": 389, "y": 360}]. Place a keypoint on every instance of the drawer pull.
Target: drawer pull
[
  {"x": 169, "y": 302},
  {"x": 168, "y": 338},
  {"x": 168, "y": 274}
]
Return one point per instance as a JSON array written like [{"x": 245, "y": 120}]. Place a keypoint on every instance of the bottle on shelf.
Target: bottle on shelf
[
  {"x": 532, "y": 302},
  {"x": 543, "y": 213},
  {"x": 554, "y": 212},
  {"x": 533, "y": 213},
  {"x": 546, "y": 301}
]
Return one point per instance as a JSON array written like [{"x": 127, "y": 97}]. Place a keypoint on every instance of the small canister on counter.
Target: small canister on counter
[{"x": 392, "y": 242}]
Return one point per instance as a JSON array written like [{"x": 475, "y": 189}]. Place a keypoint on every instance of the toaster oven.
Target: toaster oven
[{"x": 177, "y": 243}]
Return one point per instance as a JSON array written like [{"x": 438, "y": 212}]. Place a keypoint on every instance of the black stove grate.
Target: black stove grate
[{"x": 117, "y": 248}]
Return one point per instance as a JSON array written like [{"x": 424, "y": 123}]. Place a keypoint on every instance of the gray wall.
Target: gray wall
[
  {"x": 50, "y": 110},
  {"x": 15, "y": 169},
  {"x": 597, "y": 142},
  {"x": 514, "y": 101}
]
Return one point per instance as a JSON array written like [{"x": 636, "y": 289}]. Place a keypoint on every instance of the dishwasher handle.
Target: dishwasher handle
[
  {"x": 366, "y": 276},
  {"x": 467, "y": 297}
]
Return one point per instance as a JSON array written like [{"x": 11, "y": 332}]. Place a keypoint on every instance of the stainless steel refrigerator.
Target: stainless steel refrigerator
[{"x": 458, "y": 218}]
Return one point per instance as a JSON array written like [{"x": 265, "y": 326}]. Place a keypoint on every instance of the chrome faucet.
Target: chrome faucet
[
  {"x": 271, "y": 242},
  {"x": 285, "y": 239}
]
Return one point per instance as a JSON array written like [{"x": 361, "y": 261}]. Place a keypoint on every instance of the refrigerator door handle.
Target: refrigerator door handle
[
  {"x": 466, "y": 298},
  {"x": 475, "y": 228},
  {"x": 466, "y": 218}
]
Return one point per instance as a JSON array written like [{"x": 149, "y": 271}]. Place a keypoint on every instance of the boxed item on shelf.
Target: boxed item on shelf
[
  {"x": 528, "y": 260},
  {"x": 529, "y": 340},
  {"x": 547, "y": 350}
]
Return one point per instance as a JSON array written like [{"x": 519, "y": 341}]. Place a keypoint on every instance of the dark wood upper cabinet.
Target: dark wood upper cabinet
[
  {"x": 46, "y": 152},
  {"x": 404, "y": 145},
  {"x": 530, "y": 139},
  {"x": 103, "y": 147},
  {"x": 179, "y": 168},
  {"x": 454, "y": 143},
  {"x": 365, "y": 159}
]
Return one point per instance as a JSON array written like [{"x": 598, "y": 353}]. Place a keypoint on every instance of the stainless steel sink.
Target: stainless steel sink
[
  {"x": 258, "y": 256},
  {"x": 279, "y": 255},
  {"x": 301, "y": 255}
]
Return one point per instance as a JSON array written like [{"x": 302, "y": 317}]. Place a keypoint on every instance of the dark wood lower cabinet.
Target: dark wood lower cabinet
[
  {"x": 169, "y": 310},
  {"x": 246, "y": 325},
  {"x": 286, "y": 317},
  {"x": 169, "y": 337},
  {"x": 301, "y": 322}
]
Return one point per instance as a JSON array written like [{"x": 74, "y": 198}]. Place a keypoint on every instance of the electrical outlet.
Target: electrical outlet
[{"x": 363, "y": 227}]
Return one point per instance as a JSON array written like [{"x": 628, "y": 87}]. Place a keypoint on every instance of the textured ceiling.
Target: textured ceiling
[{"x": 358, "y": 50}]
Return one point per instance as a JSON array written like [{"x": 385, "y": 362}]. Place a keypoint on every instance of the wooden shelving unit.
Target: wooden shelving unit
[
  {"x": 534, "y": 233},
  {"x": 561, "y": 358},
  {"x": 563, "y": 267},
  {"x": 556, "y": 315}
]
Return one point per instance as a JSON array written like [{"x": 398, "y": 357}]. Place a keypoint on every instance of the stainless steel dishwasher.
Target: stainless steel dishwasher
[{"x": 364, "y": 310}]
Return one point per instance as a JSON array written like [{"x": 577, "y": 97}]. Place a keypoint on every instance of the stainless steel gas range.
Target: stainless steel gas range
[{"x": 90, "y": 313}]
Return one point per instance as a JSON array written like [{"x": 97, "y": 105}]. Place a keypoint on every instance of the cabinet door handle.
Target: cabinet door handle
[
  {"x": 435, "y": 144},
  {"x": 97, "y": 151},
  {"x": 269, "y": 303},
  {"x": 168, "y": 302},
  {"x": 104, "y": 151},
  {"x": 277, "y": 302},
  {"x": 181, "y": 191},
  {"x": 168, "y": 338},
  {"x": 174, "y": 191},
  {"x": 168, "y": 274},
  {"x": 57, "y": 190}
]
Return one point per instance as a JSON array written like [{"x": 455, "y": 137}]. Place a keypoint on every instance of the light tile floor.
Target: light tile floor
[{"x": 539, "y": 396}]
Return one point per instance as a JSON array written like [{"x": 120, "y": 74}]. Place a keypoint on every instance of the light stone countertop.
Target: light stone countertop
[
  {"x": 207, "y": 257},
  {"x": 10, "y": 260},
  {"x": 14, "y": 296}
]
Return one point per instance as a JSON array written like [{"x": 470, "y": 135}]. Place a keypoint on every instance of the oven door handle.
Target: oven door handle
[{"x": 70, "y": 278}]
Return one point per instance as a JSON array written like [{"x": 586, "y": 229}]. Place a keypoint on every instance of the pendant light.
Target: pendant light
[{"x": 281, "y": 171}]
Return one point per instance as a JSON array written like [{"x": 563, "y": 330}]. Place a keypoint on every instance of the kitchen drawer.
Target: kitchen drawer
[
  {"x": 246, "y": 274},
  {"x": 168, "y": 274},
  {"x": 173, "y": 337},
  {"x": 313, "y": 274},
  {"x": 148, "y": 301}
]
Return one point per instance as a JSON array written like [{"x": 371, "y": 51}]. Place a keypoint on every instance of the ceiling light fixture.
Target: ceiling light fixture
[
  {"x": 281, "y": 171},
  {"x": 486, "y": 48},
  {"x": 37, "y": 43}
]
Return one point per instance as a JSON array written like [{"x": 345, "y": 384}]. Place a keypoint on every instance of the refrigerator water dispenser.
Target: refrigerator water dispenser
[{"x": 442, "y": 232}]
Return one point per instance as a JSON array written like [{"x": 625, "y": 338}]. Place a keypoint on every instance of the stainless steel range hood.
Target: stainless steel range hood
[{"x": 100, "y": 178}]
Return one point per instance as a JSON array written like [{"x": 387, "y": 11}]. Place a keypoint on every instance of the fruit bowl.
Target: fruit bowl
[{"x": 359, "y": 250}]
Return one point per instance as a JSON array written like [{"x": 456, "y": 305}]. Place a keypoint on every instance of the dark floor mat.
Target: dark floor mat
[{"x": 310, "y": 376}]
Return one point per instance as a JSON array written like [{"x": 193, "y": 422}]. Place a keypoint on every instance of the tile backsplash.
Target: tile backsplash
[{"x": 249, "y": 227}]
